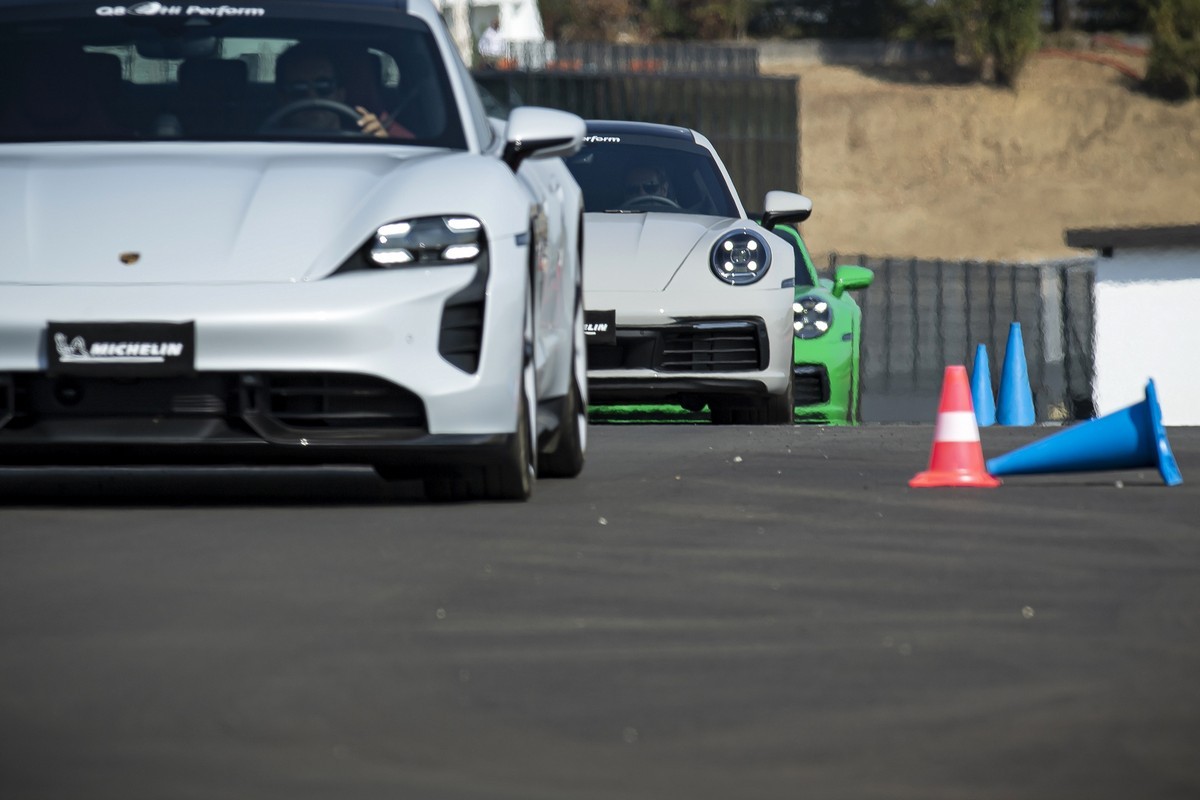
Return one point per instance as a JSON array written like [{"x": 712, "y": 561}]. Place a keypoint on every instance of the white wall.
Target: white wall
[
  {"x": 1146, "y": 309},
  {"x": 520, "y": 20}
]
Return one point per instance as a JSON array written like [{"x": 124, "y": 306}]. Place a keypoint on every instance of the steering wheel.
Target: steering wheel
[
  {"x": 650, "y": 202},
  {"x": 272, "y": 123}
]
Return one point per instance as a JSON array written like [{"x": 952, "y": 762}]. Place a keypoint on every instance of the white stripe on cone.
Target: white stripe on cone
[{"x": 956, "y": 426}]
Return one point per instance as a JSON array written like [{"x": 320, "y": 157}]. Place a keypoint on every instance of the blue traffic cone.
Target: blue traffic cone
[
  {"x": 981, "y": 389},
  {"x": 1127, "y": 439},
  {"x": 1015, "y": 406}
]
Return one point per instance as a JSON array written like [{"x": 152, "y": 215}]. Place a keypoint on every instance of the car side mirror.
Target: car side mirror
[
  {"x": 534, "y": 132},
  {"x": 848, "y": 277},
  {"x": 785, "y": 207}
]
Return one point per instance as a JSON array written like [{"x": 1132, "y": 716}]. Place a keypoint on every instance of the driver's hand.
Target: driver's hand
[{"x": 370, "y": 124}]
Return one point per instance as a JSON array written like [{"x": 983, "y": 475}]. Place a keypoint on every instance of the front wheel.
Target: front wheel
[
  {"x": 771, "y": 410},
  {"x": 781, "y": 409},
  {"x": 511, "y": 474},
  {"x": 509, "y": 477},
  {"x": 565, "y": 459}
]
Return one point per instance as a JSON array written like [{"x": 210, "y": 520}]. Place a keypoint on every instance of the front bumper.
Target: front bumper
[
  {"x": 736, "y": 343},
  {"x": 346, "y": 369}
]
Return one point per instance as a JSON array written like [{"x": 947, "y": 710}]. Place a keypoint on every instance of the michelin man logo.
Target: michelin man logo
[{"x": 75, "y": 350}]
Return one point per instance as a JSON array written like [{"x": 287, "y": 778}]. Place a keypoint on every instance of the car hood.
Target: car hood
[
  {"x": 644, "y": 251},
  {"x": 191, "y": 213}
]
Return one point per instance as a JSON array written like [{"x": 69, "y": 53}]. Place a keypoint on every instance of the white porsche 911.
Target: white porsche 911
[
  {"x": 689, "y": 301},
  {"x": 277, "y": 233}
]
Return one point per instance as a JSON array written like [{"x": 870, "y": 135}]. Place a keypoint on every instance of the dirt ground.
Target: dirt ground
[{"x": 905, "y": 162}]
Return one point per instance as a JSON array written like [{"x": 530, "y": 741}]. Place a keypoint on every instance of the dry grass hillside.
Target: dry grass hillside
[{"x": 900, "y": 162}]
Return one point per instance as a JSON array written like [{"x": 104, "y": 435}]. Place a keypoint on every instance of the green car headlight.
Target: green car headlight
[
  {"x": 813, "y": 317},
  {"x": 427, "y": 241}
]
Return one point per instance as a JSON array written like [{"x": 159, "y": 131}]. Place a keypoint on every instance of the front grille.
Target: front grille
[
  {"x": 34, "y": 396},
  {"x": 695, "y": 347},
  {"x": 812, "y": 385},
  {"x": 337, "y": 401},
  {"x": 304, "y": 401}
]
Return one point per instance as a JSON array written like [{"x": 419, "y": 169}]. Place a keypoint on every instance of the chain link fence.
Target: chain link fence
[
  {"x": 676, "y": 58},
  {"x": 919, "y": 316}
]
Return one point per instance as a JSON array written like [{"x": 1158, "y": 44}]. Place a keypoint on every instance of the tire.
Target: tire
[
  {"x": 781, "y": 410},
  {"x": 730, "y": 413},
  {"x": 511, "y": 476},
  {"x": 566, "y": 458},
  {"x": 448, "y": 488},
  {"x": 770, "y": 410}
]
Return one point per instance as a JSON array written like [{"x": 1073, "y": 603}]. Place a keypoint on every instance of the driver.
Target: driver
[
  {"x": 308, "y": 72},
  {"x": 647, "y": 181}
]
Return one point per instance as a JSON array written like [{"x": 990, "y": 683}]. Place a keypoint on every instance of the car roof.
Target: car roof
[{"x": 610, "y": 127}]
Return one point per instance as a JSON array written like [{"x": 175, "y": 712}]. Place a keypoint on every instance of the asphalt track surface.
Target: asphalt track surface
[{"x": 706, "y": 613}]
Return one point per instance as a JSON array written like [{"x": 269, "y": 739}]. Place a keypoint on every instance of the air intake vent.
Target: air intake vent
[
  {"x": 334, "y": 401},
  {"x": 699, "y": 347},
  {"x": 461, "y": 338},
  {"x": 710, "y": 348},
  {"x": 812, "y": 384}
]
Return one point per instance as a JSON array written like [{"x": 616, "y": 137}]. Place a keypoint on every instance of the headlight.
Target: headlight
[
  {"x": 427, "y": 241},
  {"x": 740, "y": 258},
  {"x": 813, "y": 317}
]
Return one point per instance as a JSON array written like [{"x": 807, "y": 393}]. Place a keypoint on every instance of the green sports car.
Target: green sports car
[{"x": 827, "y": 339}]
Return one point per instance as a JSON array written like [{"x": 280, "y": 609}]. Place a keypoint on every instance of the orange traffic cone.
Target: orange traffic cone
[{"x": 957, "y": 456}]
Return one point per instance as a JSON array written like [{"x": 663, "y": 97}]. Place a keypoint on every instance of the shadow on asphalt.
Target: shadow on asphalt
[{"x": 201, "y": 486}]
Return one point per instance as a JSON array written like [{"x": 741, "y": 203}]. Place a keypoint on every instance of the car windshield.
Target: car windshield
[
  {"x": 634, "y": 174},
  {"x": 244, "y": 75}
]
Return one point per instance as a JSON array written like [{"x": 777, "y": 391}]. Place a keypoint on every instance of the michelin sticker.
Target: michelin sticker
[
  {"x": 77, "y": 350},
  {"x": 155, "y": 9},
  {"x": 121, "y": 349},
  {"x": 600, "y": 326}
]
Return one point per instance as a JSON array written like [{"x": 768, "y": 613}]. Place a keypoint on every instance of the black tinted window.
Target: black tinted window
[
  {"x": 618, "y": 176},
  {"x": 137, "y": 78}
]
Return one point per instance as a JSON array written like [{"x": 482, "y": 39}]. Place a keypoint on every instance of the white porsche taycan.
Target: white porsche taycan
[
  {"x": 282, "y": 232},
  {"x": 689, "y": 301}
]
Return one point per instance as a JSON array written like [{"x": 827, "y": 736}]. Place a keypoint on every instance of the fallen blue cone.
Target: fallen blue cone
[{"x": 1131, "y": 438}]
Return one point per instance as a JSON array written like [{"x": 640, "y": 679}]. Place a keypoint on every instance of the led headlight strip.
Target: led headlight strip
[{"x": 427, "y": 241}]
